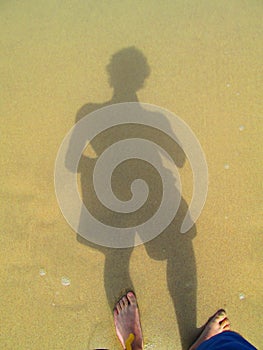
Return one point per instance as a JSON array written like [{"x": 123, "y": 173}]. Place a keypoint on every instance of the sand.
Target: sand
[{"x": 206, "y": 67}]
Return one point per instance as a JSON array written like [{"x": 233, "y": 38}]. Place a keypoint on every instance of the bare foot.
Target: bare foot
[
  {"x": 216, "y": 324},
  {"x": 127, "y": 321}
]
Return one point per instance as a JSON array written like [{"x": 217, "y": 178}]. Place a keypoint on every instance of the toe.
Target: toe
[
  {"x": 118, "y": 307},
  {"x": 125, "y": 301},
  {"x": 131, "y": 297},
  {"x": 225, "y": 323},
  {"x": 221, "y": 311},
  {"x": 220, "y": 316},
  {"x": 122, "y": 305}
]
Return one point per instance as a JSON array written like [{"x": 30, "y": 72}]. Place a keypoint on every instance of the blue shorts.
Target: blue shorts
[{"x": 227, "y": 340}]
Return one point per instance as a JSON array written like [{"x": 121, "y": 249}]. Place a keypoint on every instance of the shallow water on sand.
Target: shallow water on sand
[{"x": 206, "y": 62}]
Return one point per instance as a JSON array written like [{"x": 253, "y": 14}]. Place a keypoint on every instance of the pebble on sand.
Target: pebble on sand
[
  {"x": 241, "y": 127},
  {"x": 241, "y": 296},
  {"x": 226, "y": 166},
  {"x": 42, "y": 272},
  {"x": 65, "y": 281}
]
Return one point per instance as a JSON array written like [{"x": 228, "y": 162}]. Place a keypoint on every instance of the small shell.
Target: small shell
[
  {"x": 241, "y": 296},
  {"x": 226, "y": 166},
  {"x": 65, "y": 281},
  {"x": 42, "y": 272},
  {"x": 241, "y": 127}
]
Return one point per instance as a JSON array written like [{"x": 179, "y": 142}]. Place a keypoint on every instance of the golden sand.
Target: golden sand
[{"x": 206, "y": 67}]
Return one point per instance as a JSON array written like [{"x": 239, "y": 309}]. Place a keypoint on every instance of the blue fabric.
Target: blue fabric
[{"x": 226, "y": 341}]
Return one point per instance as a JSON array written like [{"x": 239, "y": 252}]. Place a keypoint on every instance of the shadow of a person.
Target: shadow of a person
[{"x": 127, "y": 71}]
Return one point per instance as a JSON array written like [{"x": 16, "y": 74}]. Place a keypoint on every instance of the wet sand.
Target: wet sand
[{"x": 206, "y": 64}]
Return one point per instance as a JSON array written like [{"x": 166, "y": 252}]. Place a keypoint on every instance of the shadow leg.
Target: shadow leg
[
  {"x": 117, "y": 278},
  {"x": 182, "y": 284}
]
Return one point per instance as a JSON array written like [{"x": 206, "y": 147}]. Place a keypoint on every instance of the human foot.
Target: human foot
[
  {"x": 127, "y": 321},
  {"x": 216, "y": 324}
]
